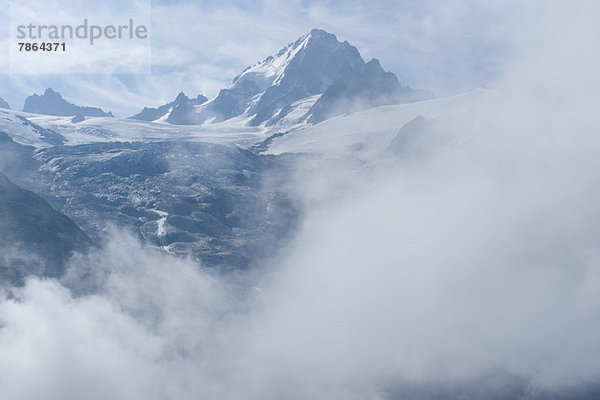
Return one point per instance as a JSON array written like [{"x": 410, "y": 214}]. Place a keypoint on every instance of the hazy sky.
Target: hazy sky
[{"x": 199, "y": 46}]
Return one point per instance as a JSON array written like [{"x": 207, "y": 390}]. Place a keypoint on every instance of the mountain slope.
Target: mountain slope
[
  {"x": 15, "y": 159},
  {"x": 360, "y": 88},
  {"x": 36, "y": 239},
  {"x": 52, "y": 103},
  {"x": 220, "y": 204}
]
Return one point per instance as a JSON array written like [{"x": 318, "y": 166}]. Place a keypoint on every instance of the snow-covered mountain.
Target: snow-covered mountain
[
  {"x": 311, "y": 79},
  {"x": 176, "y": 112},
  {"x": 4, "y": 104},
  {"x": 218, "y": 191},
  {"x": 52, "y": 103},
  {"x": 202, "y": 190}
]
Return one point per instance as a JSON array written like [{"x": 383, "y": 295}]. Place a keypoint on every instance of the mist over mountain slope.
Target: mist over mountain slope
[{"x": 365, "y": 87}]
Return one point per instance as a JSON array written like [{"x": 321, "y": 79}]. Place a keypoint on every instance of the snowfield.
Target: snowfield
[
  {"x": 365, "y": 133},
  {"x": 368, "y": 133},
  {"x": 97, "y": 130}
]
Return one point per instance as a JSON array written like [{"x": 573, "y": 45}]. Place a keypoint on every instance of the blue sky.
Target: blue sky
[{"x": 199, "y": 46}]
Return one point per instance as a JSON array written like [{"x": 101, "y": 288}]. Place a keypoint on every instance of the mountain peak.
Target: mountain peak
[
  {"x": 176, "y": 112},
  {"x": 317, "y": 32},
  {"x": 51, "y": 92},
  {"x": 374, "y": 63},
  {"x": 52, "y": 103},
  {"x": 321, "y": 35},
  {"x": 328, "y": 41},
  {"x": 181, "y": 97},
  {"x": 301, "y": 69}
]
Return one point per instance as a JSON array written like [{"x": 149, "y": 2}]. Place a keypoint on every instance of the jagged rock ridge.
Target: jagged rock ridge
[
  {"x": 52, "y": 103},
  {"x": 177, "y": 112}
]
